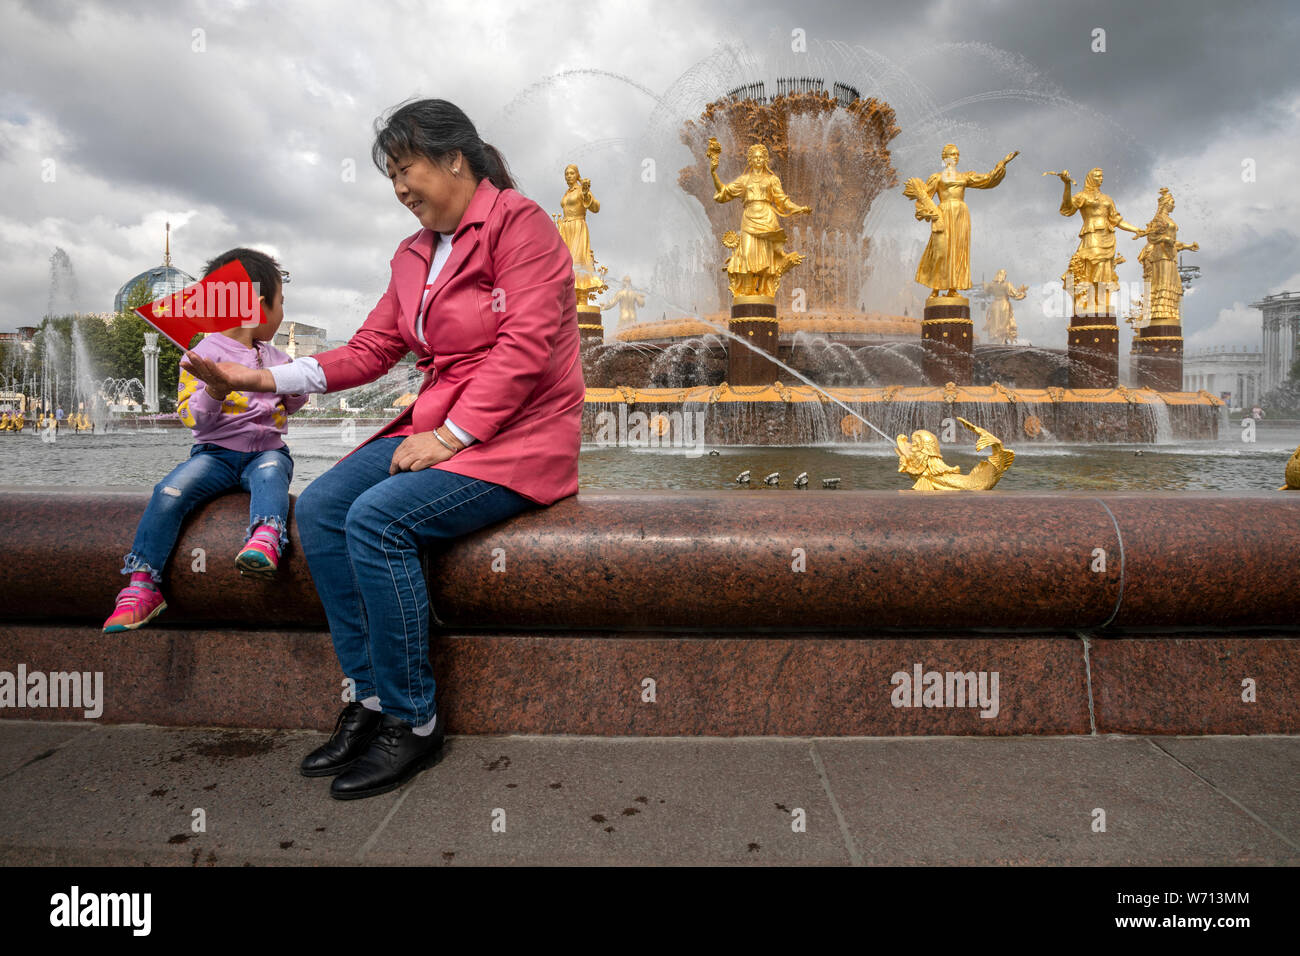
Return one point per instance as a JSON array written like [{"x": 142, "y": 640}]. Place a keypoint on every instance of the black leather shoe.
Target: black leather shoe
[
  {"x": 353, "y": 732},
  {"x": 395, "y": 756}
]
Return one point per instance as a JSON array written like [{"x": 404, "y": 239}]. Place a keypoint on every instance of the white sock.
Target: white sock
[
  {"x": 426, "y": 729},
  {"x": 371, "y": 703}
]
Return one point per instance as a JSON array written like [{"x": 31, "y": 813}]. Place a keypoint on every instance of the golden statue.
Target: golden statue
[
  {"x": 999, "y": 319},
  {"x": 572, "y": 224},
  {"x": 945, "y": 264},
  {"x": 1090, "y": 275},
  {"x": 758, "y": 258},
  {"x": 628, "y": 300},
  {"x": 922, "y": 459},
  {"x": 1159, "y": 257},
  {"x": 1292, "y": 473}
]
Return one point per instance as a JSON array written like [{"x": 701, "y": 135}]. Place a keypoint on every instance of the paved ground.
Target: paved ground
[{"x": 77, "y": 794}]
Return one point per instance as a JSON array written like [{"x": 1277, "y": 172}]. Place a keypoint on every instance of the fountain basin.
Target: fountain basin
[
  {"x": 717, "y": 560},
  {"x": 778, "y": 414}
]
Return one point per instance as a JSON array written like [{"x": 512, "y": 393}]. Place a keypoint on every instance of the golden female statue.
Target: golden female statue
[
  {"x": 1091, "y": 272},
  {"x": 628, "y": 300},
  {"x": 945, "y": 264},
  {"x": 573, "y": 230},
  {"x": 1159, "y": 258},
  {"x": 759, "y": 258},
  {"x": 999, "y": 319}
]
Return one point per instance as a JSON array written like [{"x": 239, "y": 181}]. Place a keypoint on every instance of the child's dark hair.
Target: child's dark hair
[
  {"x": 432, "y": 129},
  {"x": 260, "y": 267}
]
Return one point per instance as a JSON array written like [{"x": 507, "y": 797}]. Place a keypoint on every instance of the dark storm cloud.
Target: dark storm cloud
[
  {"x": 1172, "y": 71},
  {"x": 141, "y": 105}
]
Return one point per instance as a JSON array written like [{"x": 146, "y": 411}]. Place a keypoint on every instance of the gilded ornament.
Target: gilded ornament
[{"x": 921, "y": 458}]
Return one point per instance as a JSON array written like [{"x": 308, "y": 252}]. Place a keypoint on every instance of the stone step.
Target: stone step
[{"x": 628, "y": 684}]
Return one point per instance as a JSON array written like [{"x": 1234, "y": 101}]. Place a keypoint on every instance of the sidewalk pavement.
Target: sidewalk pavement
[{"x": 87, "y": 794}]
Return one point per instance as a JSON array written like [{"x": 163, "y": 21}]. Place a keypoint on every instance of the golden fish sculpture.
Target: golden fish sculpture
[
  {"x": 1292, "y": 473},
  {"x": 921, "y": 458}
]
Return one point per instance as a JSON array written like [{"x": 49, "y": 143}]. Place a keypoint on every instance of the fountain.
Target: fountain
[
  {"x": 866, "y": 376},
  {"x": 63, "y": 298},
  {"x": 58, "y": 366},
  {"x": 122, "y": 394},
  {"x": 826, "y": 140}
]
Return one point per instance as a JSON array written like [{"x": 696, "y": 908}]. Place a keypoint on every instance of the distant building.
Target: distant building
[
  {"x": 1281, "y": 336},
  {"x": 22, "y": 337},
  {"x": 162, "y": 279},
  {"x": 297, "y": 339},
  {"x": 1231, "y": 372}
]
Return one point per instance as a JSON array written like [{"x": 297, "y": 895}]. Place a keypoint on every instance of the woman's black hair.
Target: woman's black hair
[{"x": 432, "y": 129}]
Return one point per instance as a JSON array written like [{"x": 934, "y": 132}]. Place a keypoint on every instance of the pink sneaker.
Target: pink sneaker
[
  {"x": 261, "y": 555},
  {"x": 137, "y": 605}
]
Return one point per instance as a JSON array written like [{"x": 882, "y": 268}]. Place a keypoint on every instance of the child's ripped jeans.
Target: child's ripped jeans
[{"x": 211, "y": 470}]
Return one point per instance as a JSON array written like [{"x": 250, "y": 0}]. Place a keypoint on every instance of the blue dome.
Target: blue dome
[{"x": 163, "y": 280}]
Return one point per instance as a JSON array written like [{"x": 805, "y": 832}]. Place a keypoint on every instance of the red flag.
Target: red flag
[{"x": 223, "y": 300}]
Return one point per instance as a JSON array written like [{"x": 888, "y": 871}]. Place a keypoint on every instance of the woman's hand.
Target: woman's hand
[
  {"x": 222, "y": 378},
  {"x": 418, "y": 452}
]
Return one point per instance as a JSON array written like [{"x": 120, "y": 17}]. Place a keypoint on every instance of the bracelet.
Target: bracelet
[{"x": 445, "y": 444}]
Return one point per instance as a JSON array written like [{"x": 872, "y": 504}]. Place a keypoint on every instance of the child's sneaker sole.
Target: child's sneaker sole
[{"x": 254, "y": 563}]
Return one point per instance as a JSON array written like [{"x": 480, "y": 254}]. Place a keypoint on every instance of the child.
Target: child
[{"x": 239, "y": 443}]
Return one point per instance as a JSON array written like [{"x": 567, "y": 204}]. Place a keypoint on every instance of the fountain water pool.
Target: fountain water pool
[{"x": 139, "y": 459}]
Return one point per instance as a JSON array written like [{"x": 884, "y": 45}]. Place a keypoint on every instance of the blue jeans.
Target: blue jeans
[
  {"x": 211, "y": 470},
  {"x": 362, "y": 530}
]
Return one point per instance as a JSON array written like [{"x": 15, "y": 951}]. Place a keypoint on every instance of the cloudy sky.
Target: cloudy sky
[{"x": 250, "y": 123}]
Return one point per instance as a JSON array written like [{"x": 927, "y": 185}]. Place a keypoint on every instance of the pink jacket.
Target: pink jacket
[{"x": 502, "y": 353}]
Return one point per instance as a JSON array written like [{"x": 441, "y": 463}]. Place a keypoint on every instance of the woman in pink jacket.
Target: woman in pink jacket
[{"x": 483, "y": 294}]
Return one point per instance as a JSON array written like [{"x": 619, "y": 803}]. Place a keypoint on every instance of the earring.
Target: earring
[{"x": 456, "y": 171}]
